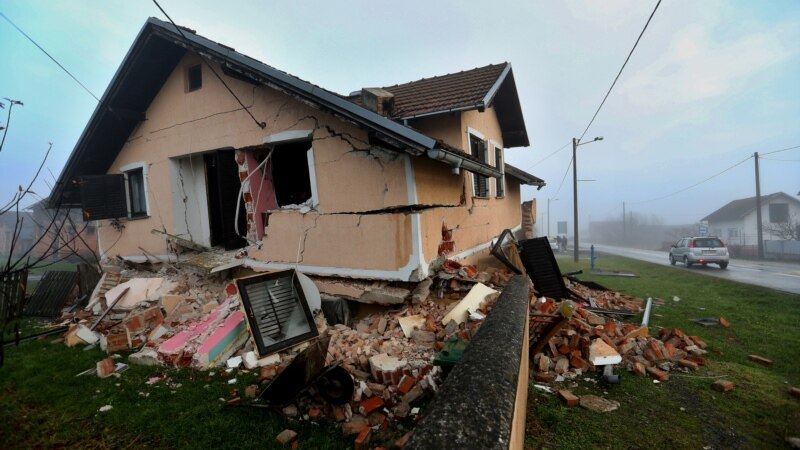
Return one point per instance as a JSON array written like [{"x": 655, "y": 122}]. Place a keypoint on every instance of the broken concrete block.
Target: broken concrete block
[
  {"x": 139, "y": 290},
  {"x": 250, "y": 360},
  {"x": 224, "y": 341},
  {"x": 170, "y": 302},
  {"x": 157, "y": 333},
  {"x": 234, "y": 363},
  {"x": 409, "y": 323},
  {"x": 145, "y": 357},
  {"x": 269, "y": 360},
  {"x": 286, "y": 436},
  {"x": 422, "y": 291},
  {"x": 387, "y": 295},
  {"x": 87, "y": 335},
  {"x": 602, "y": 354},
  {"x": 470, "y": 303},
  {"x": 597, "y": 404}
]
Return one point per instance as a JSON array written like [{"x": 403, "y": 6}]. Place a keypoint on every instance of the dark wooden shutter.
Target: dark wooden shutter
[
  {"x": 103, "y": 197},
  {"x": 228, "y": 186}
]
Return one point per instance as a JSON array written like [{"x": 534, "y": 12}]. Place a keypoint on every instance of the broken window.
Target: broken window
[
  {"x": 500, "y": 183},
  {"x": 480, "y": 183},
  {"x": 290, "y": 173},
  {"x": 277, "y": 311},
  {"x": 778, "y": 212},
  {"x": 194, "y": 78}
]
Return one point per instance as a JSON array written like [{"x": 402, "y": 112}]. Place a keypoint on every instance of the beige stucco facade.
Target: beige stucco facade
[{"x": 373, "y": 212}]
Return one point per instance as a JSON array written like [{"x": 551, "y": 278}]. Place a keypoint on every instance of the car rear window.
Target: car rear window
[{"x": 708, "y": 243}]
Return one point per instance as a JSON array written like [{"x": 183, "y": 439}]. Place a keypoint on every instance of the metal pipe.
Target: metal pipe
[
  {"x": 468, "y": 164},
  {"x": 647, "y": 308}
]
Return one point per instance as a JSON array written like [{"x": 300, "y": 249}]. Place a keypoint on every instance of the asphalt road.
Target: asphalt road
[{"x": 775, "y": 275}]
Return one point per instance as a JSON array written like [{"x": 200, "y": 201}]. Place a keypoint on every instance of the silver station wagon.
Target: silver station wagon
[{"x": 700, "y": 250}]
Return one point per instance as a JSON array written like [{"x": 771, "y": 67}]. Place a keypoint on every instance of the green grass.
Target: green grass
[
  {"x": 43, "y": 404},
  {"x": 758, "y": 413}
]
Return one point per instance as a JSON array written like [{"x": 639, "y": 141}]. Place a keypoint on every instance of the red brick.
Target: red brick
[
  {"x": 722, "y": 385},
  {"x": 687, "y": 363},
  {"x": 401, "y": 442},
  {"x": 761, "y": 360},
  {"x": 578, "y": 363},
  {"x": 230, "y": 289},
  {"x": 371, "y": 404},
  {"x": 724, "y": 322},
  {"x": 544, "y": 377},
  {"x": 105, "y": 368},
  {"x": 568, "y": 397},
  {"x": 699, "y": 360},
  {"x": 356, "y": 424},
  {"x": 135, "y": 324},
  {"x": 363, "y": 439},
  {"x": 610, "y": 327},
  {"x": 286, "y": 436},
  {"x": 314, "y": 413},
  {"x": 639, "y": 369},
  {"x": 338, "y": 413},
  {"x": 659, "y": 375},
  {"x": 406, "y": 383},
  {"x": 698, "y": 342},
  {"x": 653, "y": 345},
  {"x": 794, "y": 392}
]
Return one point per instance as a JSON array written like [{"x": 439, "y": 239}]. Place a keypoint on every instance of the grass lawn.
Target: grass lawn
[
  {"x": 44, "y": 405},
  {"x": 685, "y": 412}
]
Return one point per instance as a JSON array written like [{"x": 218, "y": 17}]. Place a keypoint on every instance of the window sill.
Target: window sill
[{"x": 138, "y": 217}]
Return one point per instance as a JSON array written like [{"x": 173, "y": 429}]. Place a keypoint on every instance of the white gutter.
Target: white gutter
[{"x": 457, "y": 161}]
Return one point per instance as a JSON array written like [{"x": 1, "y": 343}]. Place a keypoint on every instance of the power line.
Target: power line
[
  {"x": 547, "y": 157},
  {"x": 50, "y": 56},
  {"x": 180, "y": 31},
  {"x": 694, "y": 185},
  {"x": 778, "y": 151},
  {"x": 778, "y": 159},
  {"x": 563, "y": 178},
  {"x": 620, "y": 70}
]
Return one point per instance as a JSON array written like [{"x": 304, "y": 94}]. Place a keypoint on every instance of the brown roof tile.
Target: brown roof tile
[{"x": 442, "y": 93}]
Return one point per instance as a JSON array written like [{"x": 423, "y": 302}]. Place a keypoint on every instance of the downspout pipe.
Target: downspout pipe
[{"x": 457, "y": 162}]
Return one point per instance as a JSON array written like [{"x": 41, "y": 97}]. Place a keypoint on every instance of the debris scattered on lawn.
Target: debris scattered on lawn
[
  {"x": 722, "y": 385},
  {"x": 597, "y": 404},
  {"x": 707, "y": 321},
  {"x": 105, "y": 408},
  {"x": 761, "y": 360},
  {"x": 286, "y": 437}
]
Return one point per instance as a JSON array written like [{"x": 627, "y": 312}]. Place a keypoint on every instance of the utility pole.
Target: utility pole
[
  {"x": 759, "y": 232},
  {"x": 624, "y": 225},
  {"x": 575, "y": 197}
]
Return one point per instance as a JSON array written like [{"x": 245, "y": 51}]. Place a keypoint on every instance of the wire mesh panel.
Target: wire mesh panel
[{"x": 277, "y": 311}]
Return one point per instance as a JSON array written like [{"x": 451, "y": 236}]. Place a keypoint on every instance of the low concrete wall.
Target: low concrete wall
[{"x": 482, "y": 403}]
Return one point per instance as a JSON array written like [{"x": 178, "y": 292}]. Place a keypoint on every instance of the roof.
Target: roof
[
  {"x": 737, "y": 209},
  {"x": 478, "y": 88},
  {"x": 523, "y": 177},
  {"x": 153, "y": 56}
]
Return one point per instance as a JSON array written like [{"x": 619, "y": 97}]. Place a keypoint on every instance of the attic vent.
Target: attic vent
[
  {"x": 277, "y": 311},
  {"x": 378, "y": 100}
]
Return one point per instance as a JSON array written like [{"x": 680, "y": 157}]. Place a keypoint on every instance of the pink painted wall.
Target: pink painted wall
[{"x": 262, "y": 190}]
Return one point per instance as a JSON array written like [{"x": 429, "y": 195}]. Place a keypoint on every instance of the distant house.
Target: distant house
[
  {"x": 16, "y": 233},
  {"x": 378, "y": 184},
  {"x": 736, "y": 222}
]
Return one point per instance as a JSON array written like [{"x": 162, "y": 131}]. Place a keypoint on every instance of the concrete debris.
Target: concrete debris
[
  {"x": 105, "y": 408},
  {"x": 597, "y": 404}
]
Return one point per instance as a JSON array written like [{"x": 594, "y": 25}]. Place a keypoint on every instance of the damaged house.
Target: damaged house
[{"x": 382, "y": 184}]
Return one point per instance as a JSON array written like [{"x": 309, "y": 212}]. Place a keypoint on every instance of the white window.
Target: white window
[{"x": 136, "y": 189}]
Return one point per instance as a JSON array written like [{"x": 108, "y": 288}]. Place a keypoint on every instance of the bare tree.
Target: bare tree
[
  {"x": 789, "y": 230},
  {"x": 20, "y": 259}
]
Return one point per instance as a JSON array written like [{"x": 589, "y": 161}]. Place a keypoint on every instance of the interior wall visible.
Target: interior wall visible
[{"x": 190, "y": 198}]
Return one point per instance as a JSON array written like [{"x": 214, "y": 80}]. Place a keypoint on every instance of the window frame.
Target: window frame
[
  {"x": 188, "y": 77},
  {"x": 499, "y": 183},
  {"x": 776, "y": 205},
  {"x": 471, "y": 132},
  {"x": 126, "y": 170}
]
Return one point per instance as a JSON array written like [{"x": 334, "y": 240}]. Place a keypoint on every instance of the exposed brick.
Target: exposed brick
[
  {"x": 543, "y": 363},
  {"x": 401, "y": 442},
  {"x": 363, "y": 439},
  {"x": 761, "y": 360},
  {"x": 578, "y": 363},
  {"x": 724, "y": 322},
  {"x": 371, "y": 404},
  {"x": 610, "y": 328},
  {"x": 639, "y": 369},
  {"x": 338, "y": 413},
  {"x": 314, "y": 413},
  {"x": 722, "y": 385},
  {"x": 405, "y": 385},
  {"x": 544, "y": 377},
  {"x": 699, "y": 360},
  {"x": 105, "y": 368},
  {"x": 135, "y": 324},
  {"x": 568, "y": 397},
  {"x": 699, "y": 342},
  {"x": 286, "y": 436},
  {"x": 687, "y": 363},
  {"x": 659, "y": 375},
  {"x": 356, "y": 424}
]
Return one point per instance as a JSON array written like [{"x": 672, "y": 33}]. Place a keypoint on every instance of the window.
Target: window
[
  {"x": 778, "y": 212},
  {"x": 480, "y": 184},
  {"x": 194, "y": 78},
  {"x": 290, "y": 173},
  {"x": 500, "y": 183},
  {"x": 137, "y": 200}
]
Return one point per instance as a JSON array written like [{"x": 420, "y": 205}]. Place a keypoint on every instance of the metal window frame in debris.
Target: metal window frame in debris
[{"x": 256, "y": 319}]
